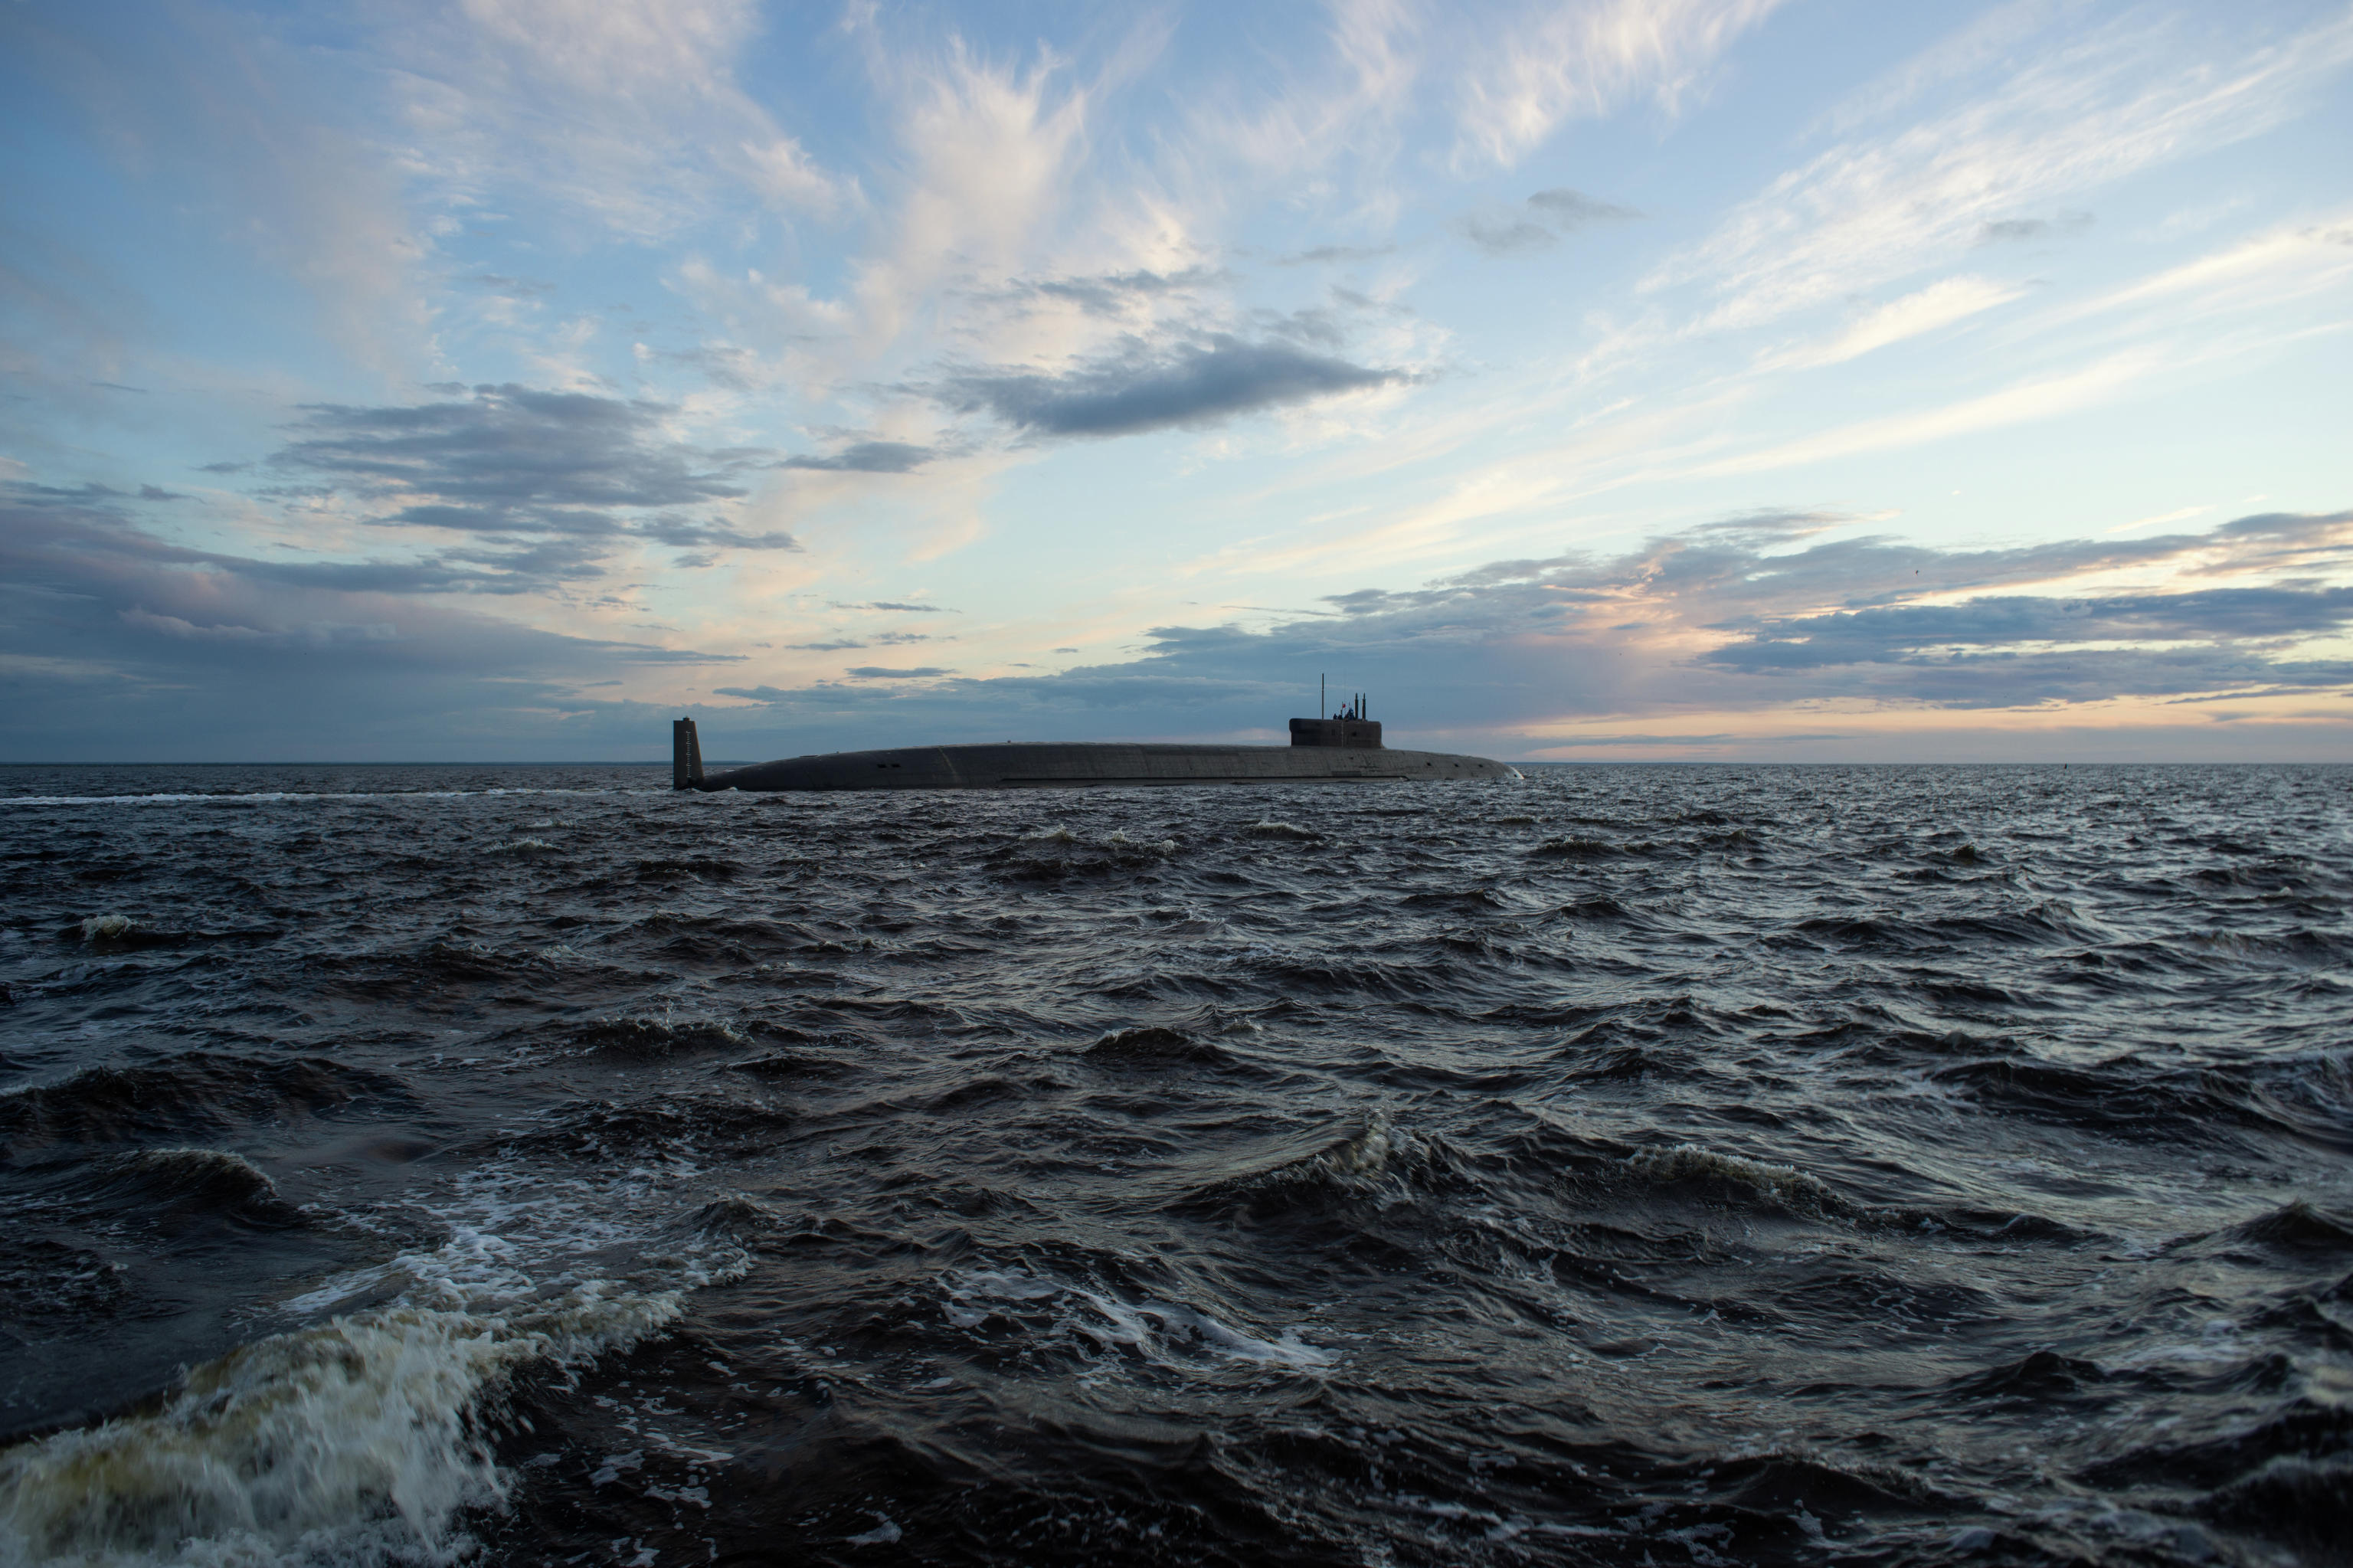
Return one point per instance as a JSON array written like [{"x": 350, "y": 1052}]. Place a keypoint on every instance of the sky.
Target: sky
[{"x": 1587, "y": 379}]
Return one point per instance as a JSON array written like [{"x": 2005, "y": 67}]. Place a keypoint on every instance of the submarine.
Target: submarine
[{"x": 1343, "y": 749}]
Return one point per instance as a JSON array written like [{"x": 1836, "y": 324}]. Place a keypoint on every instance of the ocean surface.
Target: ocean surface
[{"x": 1642, "y": 1165}]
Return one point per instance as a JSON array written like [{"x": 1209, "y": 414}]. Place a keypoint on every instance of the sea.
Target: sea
[{"x": 1645, "y": 1165}]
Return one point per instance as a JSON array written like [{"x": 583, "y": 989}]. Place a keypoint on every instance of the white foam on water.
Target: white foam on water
[
  {"x": 359, "y": 1440},
  {"x": 1365, "y": 1155},
  {"x": 99, "y": 927},
  {"x": 1166, "y": 1334},
  {"x": 351, "y": 1442},
  {"x": 514, "y": 1236},
  {"x": 1117, "y": 839},
  {"x": 1273, "y": 830},
  {"x": 1785, "y": 1184}
]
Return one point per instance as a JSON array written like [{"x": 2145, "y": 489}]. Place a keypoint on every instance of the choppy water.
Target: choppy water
[{"x": 1641, "y": 1165}]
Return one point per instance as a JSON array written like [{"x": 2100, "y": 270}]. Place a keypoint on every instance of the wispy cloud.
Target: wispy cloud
[
  {"x": 1940, "y": 304},
  {"x": 1564, "y": 59},
  {"x": 628, "y": 109},
  {"x": 1886, "y": 201}
]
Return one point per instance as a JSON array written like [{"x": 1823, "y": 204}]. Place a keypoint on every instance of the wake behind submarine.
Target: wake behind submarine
[{"x": 1343, "y": 749}]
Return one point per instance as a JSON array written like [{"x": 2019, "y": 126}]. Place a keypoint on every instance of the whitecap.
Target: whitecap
[{"x": 354, "y": 1441}]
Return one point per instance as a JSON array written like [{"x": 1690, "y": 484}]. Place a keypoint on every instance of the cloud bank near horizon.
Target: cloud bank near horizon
[{"x": 1757, "y": 616}]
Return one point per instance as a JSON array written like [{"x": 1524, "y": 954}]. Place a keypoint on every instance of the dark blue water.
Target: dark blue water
[{"x": 1640, "y": 1165}]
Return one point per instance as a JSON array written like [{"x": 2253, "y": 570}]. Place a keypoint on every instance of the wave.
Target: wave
[
  {"x": 651, "y": 1039},
  {"x": 1153, "y": 1046},
  {"x": 197, "y": 1092},
  {"x": 1374, "y": 1158},
  {"x": 2042, "y": 1376},
  {"x": 1744, "y": 1181},
  {"x": 211, "y": 1179},
  {"x": 527, "y": 849},
  {"x": 2305, "y": 1501},
  {"x": 357, "y": 1441},
  {"x": 2297, "y": 1227},
  {"x": 1577, "y": 848},
  {"x": 2119, "y": 1096}
]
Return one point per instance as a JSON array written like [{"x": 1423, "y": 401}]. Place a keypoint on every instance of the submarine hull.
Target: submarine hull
[{"x": 1073, "y": 765}]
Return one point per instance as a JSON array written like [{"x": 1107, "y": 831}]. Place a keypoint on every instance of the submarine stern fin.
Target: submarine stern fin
[{"x": 685, "y": 755}]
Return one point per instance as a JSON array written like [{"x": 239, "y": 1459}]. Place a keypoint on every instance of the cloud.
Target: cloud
[
  {"x": 517, "y": 288},
  {"x": 1940, "y": 304},
  {"x": 2054, "y": 118},
  {"x": 124, "y": 644},
  {"x": 1143, "y": 389},
  {"x": 1115, "y": 294},
  {"x": 870, "y": 457},
  {"x": 512, "y": 459},
  {"x": 1996, "y": 230},
  {"x": 628, "y": 109},
  {"x": 1504, "y": 234},
  {"x": 1550, "y": 215},
  {"x": 1566, "y": 210},
  {"x": 892, "y": 605},
  {"x": 989, "y": 156},
  {"x": 1917, "y": 633},
  {"x": 2042, "y": 398},
  {"x": 1665, "y": 644},
  {"x": 669, "y": 531},
  {"x": 1562, "y": 60},
  {"x": 510, "y": 462},
  {"x": 1335, "y": 255}
]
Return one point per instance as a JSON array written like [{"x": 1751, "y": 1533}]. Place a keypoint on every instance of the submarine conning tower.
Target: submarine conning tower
[
  {"x": 1355, "y": 732},
  {"x": 1348, "y": 727}
]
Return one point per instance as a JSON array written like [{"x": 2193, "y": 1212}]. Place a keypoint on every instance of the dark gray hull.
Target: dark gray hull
[{"x": 1049, "y": 765}]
